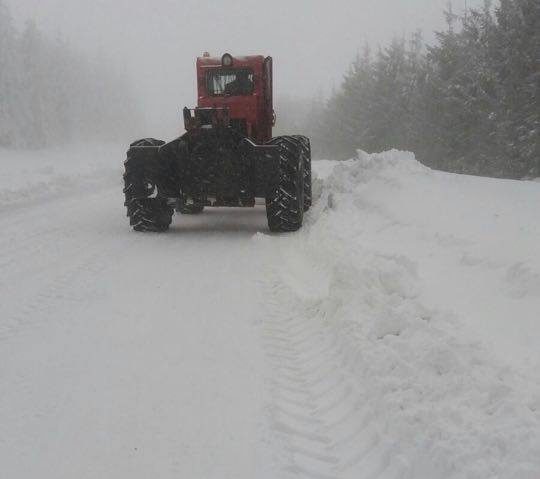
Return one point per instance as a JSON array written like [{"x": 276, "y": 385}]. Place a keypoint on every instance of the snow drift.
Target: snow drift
[
  {"x": 406, "y": 319},
  {"x": 395, "y": 336}
]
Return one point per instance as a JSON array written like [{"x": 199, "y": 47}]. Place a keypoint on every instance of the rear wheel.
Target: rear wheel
[
  {"x": 306, "y": 155},
  {"x": 148, "y": 142},
  {"x": 285, "y": 200},
  {"x": 145, "y": 214},
  {"x": 150, "y": 214}
]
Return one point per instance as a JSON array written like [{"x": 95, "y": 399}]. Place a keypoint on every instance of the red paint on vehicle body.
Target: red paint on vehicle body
[{"x": 256, "y": 109}]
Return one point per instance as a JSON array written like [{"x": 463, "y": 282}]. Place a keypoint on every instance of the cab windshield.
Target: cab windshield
[{"x": 230, "y": 82}]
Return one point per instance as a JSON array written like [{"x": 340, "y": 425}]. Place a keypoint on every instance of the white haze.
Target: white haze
[{"x": 156, "y": 41}]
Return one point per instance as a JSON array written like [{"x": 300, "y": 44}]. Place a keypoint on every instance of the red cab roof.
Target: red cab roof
[{"x": 238, "y": 60}]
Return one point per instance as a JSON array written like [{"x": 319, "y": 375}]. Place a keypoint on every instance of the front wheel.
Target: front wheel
[{"x": 285, "y": 200}]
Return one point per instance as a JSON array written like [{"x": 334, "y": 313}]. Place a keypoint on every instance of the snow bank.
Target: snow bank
[
  {"x": 428, "y": 284},
  {"x": 30, "y": 176}
]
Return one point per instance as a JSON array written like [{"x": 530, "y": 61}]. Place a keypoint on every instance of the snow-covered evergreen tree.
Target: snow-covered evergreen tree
[
  {"x": 470, "y": 103},
  {"x": 515, "y": 55}
]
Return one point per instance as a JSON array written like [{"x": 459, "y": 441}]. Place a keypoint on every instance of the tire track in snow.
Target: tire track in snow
[
  {"x": 49, "y": 233},
  {"x": 63, "y": 286},
  {"x": 318, "y": 410},
  {"x": 58, "y": 259}
]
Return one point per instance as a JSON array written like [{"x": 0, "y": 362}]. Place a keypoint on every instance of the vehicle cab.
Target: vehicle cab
[{"x": 242, "y": 86}]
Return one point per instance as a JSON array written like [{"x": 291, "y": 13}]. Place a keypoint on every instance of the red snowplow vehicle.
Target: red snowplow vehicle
[{"x": 227, "y": 156}]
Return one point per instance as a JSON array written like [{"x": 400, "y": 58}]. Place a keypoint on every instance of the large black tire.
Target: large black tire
[
  {"x": 306, "y": 155},
  {"x": 285, "y": 201},
  {"x": 145, "y": 214},
  {"x": 150, "y": 214},
  {"x": 148, "y": 142},
  {"x": 191, "y": 209}
]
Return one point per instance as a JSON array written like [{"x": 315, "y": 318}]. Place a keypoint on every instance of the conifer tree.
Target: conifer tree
[{"x": 469, "y": 103}]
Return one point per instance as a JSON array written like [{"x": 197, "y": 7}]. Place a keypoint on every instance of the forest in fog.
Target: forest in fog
[
  {"x": 52, "y": 94},
  {"x": 469, "y": 103},
  {"x": 466, "y": 102}
]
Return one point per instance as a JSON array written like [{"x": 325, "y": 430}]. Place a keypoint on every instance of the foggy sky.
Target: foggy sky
[{"x": 156, "y": 41}]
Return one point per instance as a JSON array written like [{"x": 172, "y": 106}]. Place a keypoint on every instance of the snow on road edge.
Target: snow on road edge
[
  {"x": 27, "y": 177},
  {"x": 367, "y": 376}
]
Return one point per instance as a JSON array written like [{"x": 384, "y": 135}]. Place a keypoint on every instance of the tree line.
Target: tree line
[
  {"x": 469, "y": 103},
  {"x": 51, "y": 94}
]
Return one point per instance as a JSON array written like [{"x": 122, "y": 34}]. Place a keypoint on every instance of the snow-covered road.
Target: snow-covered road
[
  {"x": 126, "y": 355},
  {"x": 218, "y": 351}
]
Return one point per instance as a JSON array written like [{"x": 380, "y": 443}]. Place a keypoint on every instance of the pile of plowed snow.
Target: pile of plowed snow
[{"x": 428, "y": 285}]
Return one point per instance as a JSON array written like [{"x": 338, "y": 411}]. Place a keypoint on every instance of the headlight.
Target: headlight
[{"x": 227, "y": 60}]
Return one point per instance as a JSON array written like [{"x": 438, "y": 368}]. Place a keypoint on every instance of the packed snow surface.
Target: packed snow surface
[{"x": 395, "y": 336}]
